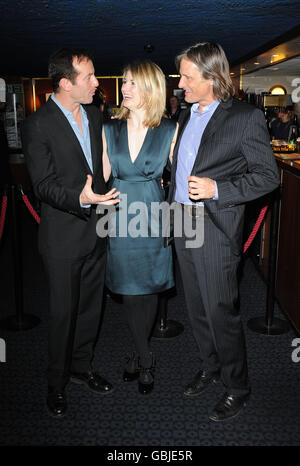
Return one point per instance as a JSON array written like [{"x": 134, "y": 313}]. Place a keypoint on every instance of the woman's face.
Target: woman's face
[{"x": 131, "y": 95}]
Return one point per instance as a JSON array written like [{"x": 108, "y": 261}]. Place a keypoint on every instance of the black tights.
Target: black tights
[{"x": 141, "y": 312}]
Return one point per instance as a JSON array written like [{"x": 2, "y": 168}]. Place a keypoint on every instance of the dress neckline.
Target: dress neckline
[{"x": 142, "y": 146}]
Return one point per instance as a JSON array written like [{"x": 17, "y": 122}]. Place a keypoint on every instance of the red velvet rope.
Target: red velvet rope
[
  {"x": 37, "y": 218},
  {"x": 30, "y": 208},
  {"x": 3, "y": 214},
  {"x": 255, "y": 228}
]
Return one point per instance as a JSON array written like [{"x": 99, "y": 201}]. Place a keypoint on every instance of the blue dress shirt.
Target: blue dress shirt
[
  {"x": 188, "y": 149},
  {"x": 83, "y": 138}
]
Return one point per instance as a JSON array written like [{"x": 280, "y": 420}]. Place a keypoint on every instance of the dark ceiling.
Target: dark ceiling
[{"x": 116, "y": 31}]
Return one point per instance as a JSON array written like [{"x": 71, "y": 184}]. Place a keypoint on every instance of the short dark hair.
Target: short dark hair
[
  {"x": 61, "y": 64},
  {"x": 211, "y": 61}
]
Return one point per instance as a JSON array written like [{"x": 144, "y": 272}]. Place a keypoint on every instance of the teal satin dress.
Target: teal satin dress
[{"x": 137, "y": 261}]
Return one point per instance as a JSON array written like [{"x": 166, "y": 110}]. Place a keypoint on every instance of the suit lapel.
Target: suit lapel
[
  {"x": 213, "y": 125},
  {"x": 93, "y": 138},
  {"x": 63, "y": 123},
  {"x": 182, "y": 124}
]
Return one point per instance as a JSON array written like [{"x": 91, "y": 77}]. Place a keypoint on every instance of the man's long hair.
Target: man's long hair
[{"x": 212, "y": 63}]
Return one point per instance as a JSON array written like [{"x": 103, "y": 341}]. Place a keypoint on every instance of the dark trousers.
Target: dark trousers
[
  {"x": 75, "y": 303},
  {"x": 209, "y": 275},
  {"x": 141, "y": 312}
]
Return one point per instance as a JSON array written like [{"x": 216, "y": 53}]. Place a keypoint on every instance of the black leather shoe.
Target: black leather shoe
[
  {"x": 93, "y": 381},
  {"x": 200, "y": 382},
  {"x": 56, "y": 403},
  {"x": 146, "y": 380},
  {"x": 132, "y": 369},
  {"x": 146, "y": 377},
  {"x": 229, "y": 406}
]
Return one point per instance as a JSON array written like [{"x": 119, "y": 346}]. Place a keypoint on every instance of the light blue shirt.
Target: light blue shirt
[
  {"x": 84, "y": 137},
  {"x": 188, "y": 150}
]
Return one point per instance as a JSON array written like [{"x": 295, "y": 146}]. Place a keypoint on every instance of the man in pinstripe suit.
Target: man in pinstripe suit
[{"x": 222, "y": 159}]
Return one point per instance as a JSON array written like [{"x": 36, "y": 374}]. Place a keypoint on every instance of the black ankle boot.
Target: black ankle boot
[
  {"x": 146, "y": 378},
  {"x": 132, "y": 369}
]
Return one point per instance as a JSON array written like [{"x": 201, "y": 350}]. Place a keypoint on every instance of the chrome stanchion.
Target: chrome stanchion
[
  {"x": 165, "y": 328},
  {"x": 20, "y": 321},
  {"x": 270, "y": 325}
]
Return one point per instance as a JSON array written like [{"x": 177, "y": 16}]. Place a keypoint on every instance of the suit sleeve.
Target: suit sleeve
[
  {"x": 42, "y": 172},
  {"x": 262, "y": 174}
]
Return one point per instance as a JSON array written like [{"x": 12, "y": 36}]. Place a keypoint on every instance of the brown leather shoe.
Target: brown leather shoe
[
  {"x": 93, "y": 381},
  {"x": 228, "y": 407},
  {"x": 200, "y": 382}
]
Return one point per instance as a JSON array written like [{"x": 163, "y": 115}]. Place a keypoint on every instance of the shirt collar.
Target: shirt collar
[
  {"x": 65, "y": 111},
  {"x": 208, "y": 108}
]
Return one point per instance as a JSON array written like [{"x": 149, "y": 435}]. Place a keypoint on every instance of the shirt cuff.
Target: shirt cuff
[
  {"x": 87, "y": 206},
  {"x": 216, "y": 196}
]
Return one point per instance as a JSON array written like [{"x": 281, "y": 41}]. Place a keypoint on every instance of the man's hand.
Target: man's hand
[
  {"x": 201, "y": 188},
  {"x": 88, "y": 196}
]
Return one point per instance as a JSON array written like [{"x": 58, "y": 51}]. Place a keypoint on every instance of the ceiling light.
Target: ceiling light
[
  {"x": 278, "y": 90},
  {"x": 277, "y": 56},
  {"x": 148, "y": 48}
]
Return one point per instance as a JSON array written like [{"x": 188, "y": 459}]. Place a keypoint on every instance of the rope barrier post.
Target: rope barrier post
[
  {"x": 270, "y": 325},
  {"x": 165, "y": 328},
  {"x": 3, "y": 211},
  {"x": 20, "y": 321}
]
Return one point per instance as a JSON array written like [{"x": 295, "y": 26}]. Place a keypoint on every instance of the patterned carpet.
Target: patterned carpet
[{"x": 125, "y": 418}]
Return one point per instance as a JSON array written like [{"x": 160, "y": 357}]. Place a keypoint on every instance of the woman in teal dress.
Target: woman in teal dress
[{"x": 136, "y": 147}]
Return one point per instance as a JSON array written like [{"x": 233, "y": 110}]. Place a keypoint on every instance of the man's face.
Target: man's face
[
  {"x": 85, "y": 82},
  {"x": 197, "y": 89},
  {"x": 173, "y": 102},
  {"x": 279, "y": 114}
]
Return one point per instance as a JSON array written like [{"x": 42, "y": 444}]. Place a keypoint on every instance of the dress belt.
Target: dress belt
[
  {"x": 138, "y": 181},
  {"x": 193, "y": 210}
]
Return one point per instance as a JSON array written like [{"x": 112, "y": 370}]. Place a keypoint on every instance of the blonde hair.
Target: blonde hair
[
  {"x": 211, "y": 61},
  {"x": 151, "y": 84}
]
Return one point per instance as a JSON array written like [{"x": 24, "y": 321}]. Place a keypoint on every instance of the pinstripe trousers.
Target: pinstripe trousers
[{"x": 209, "y": 275}]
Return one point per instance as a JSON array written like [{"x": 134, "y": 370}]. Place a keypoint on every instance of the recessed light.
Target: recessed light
[{"x": 256, "y": 63}]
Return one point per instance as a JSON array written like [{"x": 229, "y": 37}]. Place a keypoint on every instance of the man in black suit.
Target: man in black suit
[
  {"x": 222, "y": 159},
  {"x": 63, "y": 148}
]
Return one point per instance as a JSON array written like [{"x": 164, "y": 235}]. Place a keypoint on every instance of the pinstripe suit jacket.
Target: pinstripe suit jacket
[{"x": 234, "y": 151}]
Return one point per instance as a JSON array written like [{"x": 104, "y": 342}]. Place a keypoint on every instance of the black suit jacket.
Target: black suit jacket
[
  {"x": 234, "y": 151},
  {"x": 58, "y": 170}
]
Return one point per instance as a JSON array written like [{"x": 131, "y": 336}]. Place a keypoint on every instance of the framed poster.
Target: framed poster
[{"x": 14, "y": 114}]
